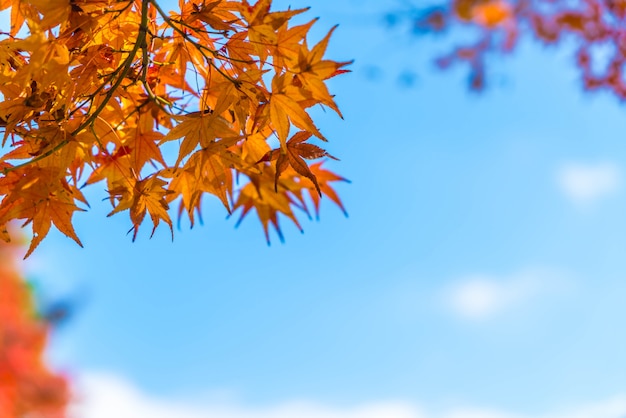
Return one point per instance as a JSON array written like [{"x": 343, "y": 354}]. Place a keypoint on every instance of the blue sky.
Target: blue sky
[{"x": 480, "y": 273}]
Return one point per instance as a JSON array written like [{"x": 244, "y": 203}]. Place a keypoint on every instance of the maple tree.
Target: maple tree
[
  {"x": 596, "y": 28},
  {"x": 95, "y": 90},
  {"x": 27, "y": 387}
]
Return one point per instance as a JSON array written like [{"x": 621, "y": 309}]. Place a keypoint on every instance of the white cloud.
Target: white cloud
[
  {"x": 106, "y": 396},
  {"x": 480, "y": 413},
  {"x": 481, "y": 297},
  {"x": 610, "y": 408},
  {"x": 587, "y": 183},
  {"x": 614, "y": 407}
]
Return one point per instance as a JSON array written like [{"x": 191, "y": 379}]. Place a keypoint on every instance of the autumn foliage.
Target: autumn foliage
[
  {"x": 596, "y": 29},
  {"x": 27, "y": 387},
  {"x": 161, "y": 106}
]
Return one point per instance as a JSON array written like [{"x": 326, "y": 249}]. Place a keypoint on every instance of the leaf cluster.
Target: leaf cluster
[{"x": 94, "y": 90}]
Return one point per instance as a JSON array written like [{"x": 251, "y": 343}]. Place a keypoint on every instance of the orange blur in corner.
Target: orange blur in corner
[{"x": 27, "y": 386}]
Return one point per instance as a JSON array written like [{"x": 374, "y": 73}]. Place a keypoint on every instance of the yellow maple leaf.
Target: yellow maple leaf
[
  {"x": 198, "y": 128},
  {"x": 144, "y": 196},
  {"x": 283, "y": 110}
]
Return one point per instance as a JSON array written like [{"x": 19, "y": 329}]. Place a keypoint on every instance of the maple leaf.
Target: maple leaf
[
  {"x": 142, "y": 141},
  {"x": 283, "y": 110},
  {"x": 17, "y": 18},
  {"x": 293, "y": 155},
  {"x": 145, "y": 196},
  {"x": 312, "y": 70},
  {"x": 42, "y": 199},
  {"x": 54, "y": 12},
  {"x": 290, "y": 40},
  {"x": 216, "y": 14},
  {"x": 267, "y": 203},
  {"x": 198, "y": 128},
  {"x": 324, "y": 178},
  {"x": 206, "y": 171}
]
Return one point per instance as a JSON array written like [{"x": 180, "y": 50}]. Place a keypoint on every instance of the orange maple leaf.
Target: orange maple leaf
[
  {"x": 324, "y": 178},
  {"x": 267, "y": 203},
  {"x": 284, "y": 109},
  {"x": 145, "y": 196},
  {"x": 293, "y": 155},
  {"x": 42, "y": 199}
]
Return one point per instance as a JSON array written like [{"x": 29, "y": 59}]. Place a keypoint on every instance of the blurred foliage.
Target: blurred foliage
[
  {"x": 596, "y": 28},
  {"x": 27, "y": 386}
]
